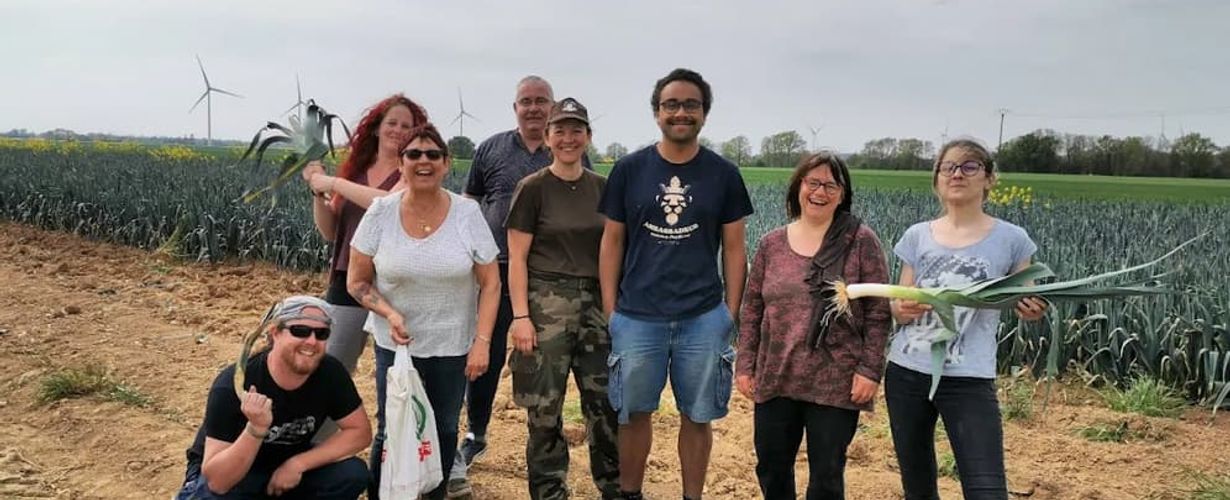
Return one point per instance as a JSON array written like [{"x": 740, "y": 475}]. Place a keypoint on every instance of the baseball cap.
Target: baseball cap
[{"x": 569, "y": 109}]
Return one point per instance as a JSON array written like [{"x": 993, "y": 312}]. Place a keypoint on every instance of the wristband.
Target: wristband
[
  {"x": 484, "y": 339},
  {"x": 253, "y": 433},
  {"x": 523, "y": 316}
]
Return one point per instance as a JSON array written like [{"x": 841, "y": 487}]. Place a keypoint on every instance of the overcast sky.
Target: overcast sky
[{"x": 860, "y": 70}]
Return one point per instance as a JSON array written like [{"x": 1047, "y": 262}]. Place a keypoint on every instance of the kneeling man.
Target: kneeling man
[{"x": 260, "y": 444}]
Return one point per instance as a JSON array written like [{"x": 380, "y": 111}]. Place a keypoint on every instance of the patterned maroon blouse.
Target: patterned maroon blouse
[{"x": 776, "y": 314}]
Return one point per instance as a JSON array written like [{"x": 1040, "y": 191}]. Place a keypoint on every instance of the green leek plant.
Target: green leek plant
[
  {"x": 999, "y": 293},
  {"x": 310, "y": 140}
]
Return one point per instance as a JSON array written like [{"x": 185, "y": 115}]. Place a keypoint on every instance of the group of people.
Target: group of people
[{"x": 625, "y": 282}]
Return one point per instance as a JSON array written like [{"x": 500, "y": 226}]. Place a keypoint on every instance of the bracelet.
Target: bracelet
[
  {"x": 252, "y": 431},
  {"x": 523, "y": 316},
  {"x": 484, "y": 339}
]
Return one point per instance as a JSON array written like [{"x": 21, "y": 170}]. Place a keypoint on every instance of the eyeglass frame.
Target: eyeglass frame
[
  {"x": 948, "y": 168},
  {"x": 690, "y": 106}
]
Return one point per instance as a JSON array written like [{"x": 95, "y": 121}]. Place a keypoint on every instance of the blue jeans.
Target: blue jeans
[
  {"x": 695, "y": 352},
  {"x": 335, "y": 481},
  {"x": 444, "y": 379},
  {"x": 971, "y": 416}
]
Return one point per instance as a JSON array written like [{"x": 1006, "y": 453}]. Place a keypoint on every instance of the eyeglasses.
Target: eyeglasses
[
  {"x": 541, "y": 102},
  {"x": 830, "y": 188},
  {"x": 968, "y": 169},
  {"x": 304, "y": 331},
  {"x": 690, "y": 105},
  {"x": 414, "y": 154}
]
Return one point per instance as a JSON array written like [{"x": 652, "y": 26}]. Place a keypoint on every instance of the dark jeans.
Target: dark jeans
[
  {"x": 971, "y": 416},
  {"x": 480, "y": 394},
  {"x": 444, "y": 379},
  {"x": 338, "y": 480},
  {"x": 779, "y": 427}
]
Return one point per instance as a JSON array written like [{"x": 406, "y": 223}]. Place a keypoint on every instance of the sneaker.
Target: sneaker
[
  {"x": 472, "y": 448},
  {"x": 458, "y": 487}
]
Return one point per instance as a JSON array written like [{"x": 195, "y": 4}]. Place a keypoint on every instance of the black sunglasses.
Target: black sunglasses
[
  {"x": 414, "y": 154},
  {"x": 303, "y": 331}
]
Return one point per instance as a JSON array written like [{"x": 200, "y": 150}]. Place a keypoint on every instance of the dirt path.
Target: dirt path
[{"x": 166, "y": 328}]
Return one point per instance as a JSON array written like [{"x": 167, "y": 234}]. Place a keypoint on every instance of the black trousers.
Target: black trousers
[
  {"x": 480, "y": 394},
  {"x": 971, "y": 416},
  {"x": 779, "y": 427}
]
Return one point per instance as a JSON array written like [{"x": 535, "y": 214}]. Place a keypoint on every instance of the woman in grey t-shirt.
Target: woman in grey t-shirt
[
  {"x": 963, "y": 245},
  {"x": 423, "y": 261}
]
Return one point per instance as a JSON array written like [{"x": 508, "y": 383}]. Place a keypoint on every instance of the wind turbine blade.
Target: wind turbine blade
[
  {"x": 292, "y": 107},
  {"x": 202, "y": 66},
  {"x": 220, "y": 91},
  {"x": 298, "y": 89},
  {"x": 461, "y": 104},
  {"x": 472, "y": 117},
  {"x": 198, "y": 101},
  {"x": 455, "y": 119}
]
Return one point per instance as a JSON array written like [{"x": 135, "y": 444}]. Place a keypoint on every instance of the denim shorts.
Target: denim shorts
[{"x": 695, "y": 352}]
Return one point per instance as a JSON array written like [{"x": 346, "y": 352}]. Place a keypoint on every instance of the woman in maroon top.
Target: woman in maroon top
[
  {"x": 369, "y": 172},
  {"x": 805, "y": 371}
]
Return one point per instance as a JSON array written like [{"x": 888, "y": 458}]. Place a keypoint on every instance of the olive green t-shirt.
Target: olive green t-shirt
[{"x": 563, "y": 217}]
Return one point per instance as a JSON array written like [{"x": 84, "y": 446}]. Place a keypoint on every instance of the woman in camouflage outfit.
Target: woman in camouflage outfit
[{"x": 554, "y": 230}]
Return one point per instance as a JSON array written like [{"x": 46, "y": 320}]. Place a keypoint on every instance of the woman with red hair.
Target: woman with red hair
[{"x": 370, "y": 171}]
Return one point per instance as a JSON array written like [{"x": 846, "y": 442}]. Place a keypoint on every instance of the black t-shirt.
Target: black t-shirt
[
  {"x": 297, "y": 415},
  {"x": 673, "y": 216}
]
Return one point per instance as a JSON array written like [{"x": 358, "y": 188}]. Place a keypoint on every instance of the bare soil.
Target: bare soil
[{"x": 166, "y": 327}]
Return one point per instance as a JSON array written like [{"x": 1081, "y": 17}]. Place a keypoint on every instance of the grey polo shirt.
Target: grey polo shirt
[{"x": 499, "y": 164}]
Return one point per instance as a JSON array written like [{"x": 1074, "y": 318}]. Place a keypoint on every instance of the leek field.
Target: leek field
[{"x": 181, "y": 201}]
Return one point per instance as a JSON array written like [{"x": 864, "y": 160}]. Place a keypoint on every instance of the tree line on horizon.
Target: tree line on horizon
[{"x": 1040, "y": 151}]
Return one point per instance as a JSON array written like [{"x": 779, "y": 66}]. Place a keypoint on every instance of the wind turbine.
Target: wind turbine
[
  {"x": 208, "y": 98},
  {"x": 298, "y": 106},
  {"x": 462, "y": 114},
  {"x": 815, "y": 132}
]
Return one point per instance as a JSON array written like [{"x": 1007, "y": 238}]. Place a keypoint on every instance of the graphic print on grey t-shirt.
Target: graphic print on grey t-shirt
[{"x": 945, "y": 270}]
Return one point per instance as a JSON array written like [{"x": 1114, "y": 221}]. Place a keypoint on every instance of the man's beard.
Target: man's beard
[
  {"x": 692, "y": 133},
  {"x": 300, "y": 364}
]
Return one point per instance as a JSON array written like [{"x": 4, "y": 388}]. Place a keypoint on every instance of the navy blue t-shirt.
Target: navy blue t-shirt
[{"x": 673, "y": 216}]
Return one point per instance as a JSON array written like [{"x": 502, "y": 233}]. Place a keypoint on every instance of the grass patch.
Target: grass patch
[
  {"x": 1145, "y": 396},
  {"x": 1121, "y": 431},
  {"x": 572, "y": 412},
  {"x": 1018, "y": 400},
  {"x": 878, "y": 431},
  {"x": 92, "y": 380},
  {"x": 1210, "y": 487},
  {"x": 947, "y": 466}
]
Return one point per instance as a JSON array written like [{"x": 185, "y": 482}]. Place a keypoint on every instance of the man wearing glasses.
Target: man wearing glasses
[
  {"x": 670, "y": 208},
  {"x": 500, "y": 162},
  {"x": 260, "y": 444}
]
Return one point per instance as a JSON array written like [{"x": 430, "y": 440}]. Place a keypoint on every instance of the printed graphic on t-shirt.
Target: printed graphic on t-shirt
[
  {"x": 673, "y": 200},
  {"x": 293, "y": 432},
  {"x": 945, "y": 271}
]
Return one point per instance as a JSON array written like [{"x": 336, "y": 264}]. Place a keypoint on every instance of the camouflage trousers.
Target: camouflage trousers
[{"x": 572, "y": 335}]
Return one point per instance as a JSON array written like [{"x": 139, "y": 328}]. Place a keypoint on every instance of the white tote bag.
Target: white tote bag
[{"x": 411, "y": 447}]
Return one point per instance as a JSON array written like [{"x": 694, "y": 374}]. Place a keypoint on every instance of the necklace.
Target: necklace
[{"x": 424, "y": 217}]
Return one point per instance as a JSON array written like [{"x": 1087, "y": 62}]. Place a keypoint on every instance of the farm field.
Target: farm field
[
  {"x": 1052, "y": 186},
  {"x": 160, "y": 314},
  {"x": 162, "y": 328}
]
